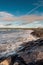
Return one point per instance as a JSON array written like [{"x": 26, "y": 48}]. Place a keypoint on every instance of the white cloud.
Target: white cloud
[
  {"x": 35, "y": 24},
  {"x": 5, "y": 14},
  {"x": 22, "y": 21}
]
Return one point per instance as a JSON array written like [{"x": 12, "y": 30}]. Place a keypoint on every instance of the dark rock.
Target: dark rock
[
  {"x": 31, "y": 53},
  {"x": 32, "y": 50}
]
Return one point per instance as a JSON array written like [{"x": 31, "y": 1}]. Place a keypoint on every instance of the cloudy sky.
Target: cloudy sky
[{"x": 21, "y": 13}]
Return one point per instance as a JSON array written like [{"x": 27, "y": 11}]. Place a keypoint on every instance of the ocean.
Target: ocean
[{"x": 11, "y": 40}]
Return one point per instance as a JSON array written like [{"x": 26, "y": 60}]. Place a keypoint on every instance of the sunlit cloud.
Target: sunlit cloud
[
  {"x": 21, "y": 21},
  {"x": 28, "y": 18}
]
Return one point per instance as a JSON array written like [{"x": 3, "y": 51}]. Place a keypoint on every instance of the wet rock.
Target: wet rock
[{"x": 30, "y": 53}]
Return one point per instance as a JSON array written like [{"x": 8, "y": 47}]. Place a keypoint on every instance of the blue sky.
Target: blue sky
[
  {"x": 19, "y": 7},
  {"x": 13, "y": 11},
  {"x": 16, "y": 7}
]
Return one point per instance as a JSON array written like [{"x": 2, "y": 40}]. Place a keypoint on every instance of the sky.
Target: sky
[{"x": 21, "y": 13}]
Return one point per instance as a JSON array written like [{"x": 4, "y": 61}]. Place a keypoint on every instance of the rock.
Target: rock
[
  {"x": 6, "y": 61},
  {"x": 30, "y": 53},
  {"x": 37, "y": 33}
]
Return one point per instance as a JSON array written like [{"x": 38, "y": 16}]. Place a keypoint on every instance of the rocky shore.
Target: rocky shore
[
  {"x": 31, "y": 54},
  {"x": 22, "y": 47},
  {"x": 32, "y": 51}
]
